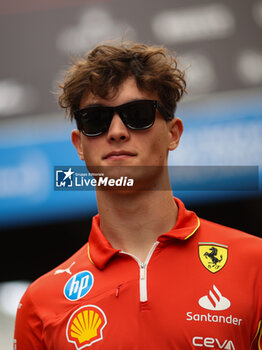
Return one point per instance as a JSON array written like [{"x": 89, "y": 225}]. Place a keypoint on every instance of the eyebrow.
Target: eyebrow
[
  {"x": 93, "y": 105},
  {"x": 102, "y": 105}
]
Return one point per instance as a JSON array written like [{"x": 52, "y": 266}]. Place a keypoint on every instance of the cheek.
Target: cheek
[
  {"x": 157, "y": 148},
  {"x": 91, "y": 147},
  {"x": 160, "y": 141}
]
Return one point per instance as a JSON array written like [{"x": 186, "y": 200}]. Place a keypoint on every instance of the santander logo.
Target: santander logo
[{"x": 214, "y": 300}]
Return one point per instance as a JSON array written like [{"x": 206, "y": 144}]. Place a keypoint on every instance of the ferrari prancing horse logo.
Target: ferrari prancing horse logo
[{"x": 213, "y": 255}]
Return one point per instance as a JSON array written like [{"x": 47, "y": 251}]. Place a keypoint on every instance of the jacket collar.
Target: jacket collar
[{"x": 100, "y": 250}]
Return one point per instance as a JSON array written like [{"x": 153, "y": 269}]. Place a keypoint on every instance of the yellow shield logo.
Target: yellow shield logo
[
  {"x": 85, "y": 326},
  {"x": 213, "y": 255}
]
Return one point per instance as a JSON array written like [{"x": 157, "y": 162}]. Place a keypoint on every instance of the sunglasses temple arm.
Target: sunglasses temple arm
[{"x": 164, "y": 112}]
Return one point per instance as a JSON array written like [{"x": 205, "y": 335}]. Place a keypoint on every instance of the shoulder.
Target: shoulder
[
  {"x": 240, "y": 241},
  {"x": 48, "y": 288},
  {"x": 231, "y": 233}
]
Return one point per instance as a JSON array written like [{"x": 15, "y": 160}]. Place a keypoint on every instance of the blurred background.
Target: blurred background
[{"x": 218, "y": 42}]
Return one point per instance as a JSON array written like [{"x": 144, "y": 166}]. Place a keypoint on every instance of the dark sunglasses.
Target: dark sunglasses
[{"x": 136, "y": 115}]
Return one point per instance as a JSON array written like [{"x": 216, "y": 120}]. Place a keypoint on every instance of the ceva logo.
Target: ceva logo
[
  {"x": 213, "y": 343},
  {"x": 214, "y": 301}
]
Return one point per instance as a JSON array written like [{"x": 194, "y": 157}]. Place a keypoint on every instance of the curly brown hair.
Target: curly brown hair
[{"x": 102, "y": 70}]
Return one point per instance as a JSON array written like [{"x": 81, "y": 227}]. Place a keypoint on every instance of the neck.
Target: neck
[{"x": 132, "y": 222}]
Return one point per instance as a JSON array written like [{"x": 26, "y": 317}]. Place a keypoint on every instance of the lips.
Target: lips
[{"x": 121, "y": 154}]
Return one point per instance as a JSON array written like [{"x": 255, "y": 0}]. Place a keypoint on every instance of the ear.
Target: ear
[
  {"x": 175, "y": 131},
  {"x": 77, "y": 142}
]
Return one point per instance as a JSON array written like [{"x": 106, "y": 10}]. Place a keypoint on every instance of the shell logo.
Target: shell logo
[{"x": 85, "y": 326}]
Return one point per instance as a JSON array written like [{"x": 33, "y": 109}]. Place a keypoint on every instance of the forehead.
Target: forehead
[{"x": 127, "y": 91}]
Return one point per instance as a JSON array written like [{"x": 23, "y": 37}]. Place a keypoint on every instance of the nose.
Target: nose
[{"x": 117, "y": 130}]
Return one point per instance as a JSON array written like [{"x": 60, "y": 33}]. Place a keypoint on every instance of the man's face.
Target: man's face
[{"x": 121, "y": 146}]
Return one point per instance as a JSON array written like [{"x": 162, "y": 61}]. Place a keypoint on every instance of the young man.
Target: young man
[{"x": 152, "y": 275}]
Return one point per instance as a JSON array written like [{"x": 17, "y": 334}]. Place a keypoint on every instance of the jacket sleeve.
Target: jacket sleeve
[{"x": 28, "y": 326}]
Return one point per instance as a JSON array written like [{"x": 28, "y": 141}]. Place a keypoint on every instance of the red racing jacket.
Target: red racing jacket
[{"x": 200, "y": 287}]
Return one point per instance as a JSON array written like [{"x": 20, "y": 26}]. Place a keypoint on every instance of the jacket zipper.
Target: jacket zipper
[{"x": 143, "y": 271}]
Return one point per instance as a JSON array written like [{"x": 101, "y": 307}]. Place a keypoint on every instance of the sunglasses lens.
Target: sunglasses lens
[
  {"x": 136, "y": 115},
  {"x": 95, "y": 121},
  {"x": 139, "y": 115}
]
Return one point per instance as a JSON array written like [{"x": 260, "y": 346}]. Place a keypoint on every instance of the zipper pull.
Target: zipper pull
[
  {"x": 117, "y": 290},
  {"x": 142, "y": 271}
]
